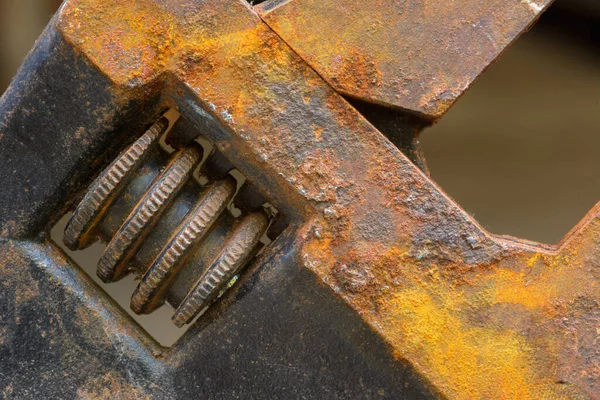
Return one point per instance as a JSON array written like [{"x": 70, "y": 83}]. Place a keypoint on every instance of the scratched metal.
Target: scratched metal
[
  {"x": 413, "y": 54},
  {"x": 476, "y": 316}
]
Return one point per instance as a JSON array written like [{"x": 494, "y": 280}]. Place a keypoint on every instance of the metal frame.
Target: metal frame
[{"x": 381, "y": 286}]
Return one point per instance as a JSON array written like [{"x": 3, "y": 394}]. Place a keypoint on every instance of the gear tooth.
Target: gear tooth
[
  {"x": 190, "y": 232},
  {"x": 231, "y": 258},
  {"x": 128, "y": 238},
  {"x": 107, "y": 186},
  {"x": 188, "y": 235}
]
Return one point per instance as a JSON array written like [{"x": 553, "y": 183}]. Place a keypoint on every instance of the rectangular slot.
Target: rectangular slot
[{"x": 157, "y": 324}]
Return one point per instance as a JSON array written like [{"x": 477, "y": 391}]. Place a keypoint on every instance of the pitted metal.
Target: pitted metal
[{"x": 390, "y": 282}]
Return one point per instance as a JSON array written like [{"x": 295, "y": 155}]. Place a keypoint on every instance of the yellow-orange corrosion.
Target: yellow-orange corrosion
[
  {"x": 416, "y": 55},
  {"x": 479, "y": 317}
]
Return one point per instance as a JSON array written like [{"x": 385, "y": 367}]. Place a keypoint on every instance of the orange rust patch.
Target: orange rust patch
[
  {"x": 475, "y": 326},
  {"x": 416, "y": 55},
  {"x": 130, "y": 42},
  {"x": 439, "y": 325}
]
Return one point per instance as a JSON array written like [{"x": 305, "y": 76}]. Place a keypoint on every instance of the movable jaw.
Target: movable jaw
[
  {"x": 418, "y": 56},
  {"x": 476, "y": 316}
]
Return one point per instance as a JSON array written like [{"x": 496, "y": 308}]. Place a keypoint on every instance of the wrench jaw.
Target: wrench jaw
[{"x": 378, "y": 264}]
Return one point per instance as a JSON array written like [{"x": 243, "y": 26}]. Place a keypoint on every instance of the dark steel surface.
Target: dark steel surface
[
  {"x": 61, "y": 338},
  {"x": 381, "y": 286}
]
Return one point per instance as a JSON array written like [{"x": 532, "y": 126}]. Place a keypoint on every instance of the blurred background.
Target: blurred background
[{"x": 519, "y": 151}]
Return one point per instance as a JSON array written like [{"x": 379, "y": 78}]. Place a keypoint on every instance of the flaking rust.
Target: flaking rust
[
  {"x": 477, "y": 316},
  {"x": 464, "y": 307}
]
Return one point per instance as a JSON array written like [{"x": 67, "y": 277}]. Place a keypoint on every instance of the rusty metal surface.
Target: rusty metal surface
[
  {"x": 474, "y": 315},
  {"x": 416, "y": 55}
]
